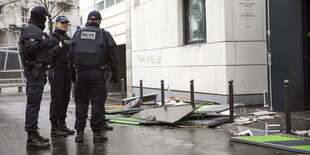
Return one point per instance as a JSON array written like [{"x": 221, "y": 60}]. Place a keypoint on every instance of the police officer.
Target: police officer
[
  {"x": 93, "y": 53},
  {"x": 59, "y": 77},
  {"x": 34, "y": 47}
]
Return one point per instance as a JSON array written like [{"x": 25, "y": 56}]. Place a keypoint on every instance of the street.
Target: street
[{"x": 124, "y": 139}]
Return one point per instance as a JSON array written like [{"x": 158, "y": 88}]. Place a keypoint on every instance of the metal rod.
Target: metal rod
[
  {"x": 287, "y": 106},
  {"x": 123, "y": 90},
  {"x": 162, "y": 92},
  {"x": 231, "y": 100},
  {"x": 141, "y": 91},
  {"x": 20, "y": 61},
  {"x": 6, "y": 54},
  {"x": 192, "y": 94},
  {"x": 269, "y": 55}
]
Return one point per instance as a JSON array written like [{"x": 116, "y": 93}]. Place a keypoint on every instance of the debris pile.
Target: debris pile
[
  {"x": 175, "y": 112},
  {"x": 302, "y": 133},
  {"x": 255, "y": 116}
]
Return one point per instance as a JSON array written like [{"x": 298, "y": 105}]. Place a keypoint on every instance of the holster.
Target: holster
[{"x": 35, "y": 68}]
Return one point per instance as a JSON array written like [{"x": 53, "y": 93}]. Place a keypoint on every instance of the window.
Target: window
[
  {"x": 106, "y": 3},
  {"x": 101, "y": 5},
  {"x": 1, "y": 10},
  {"x": 110, "y": 3},
  {"x": 25, "y": 15},
  {"x": 67, "y": 8},
  {"x": 195, "y": 21}
]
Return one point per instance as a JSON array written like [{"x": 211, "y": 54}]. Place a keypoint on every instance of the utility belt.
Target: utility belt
[
  {"x": 105, "y": 68},
  {"x": 60, "y": 65},
  {"x": 29, "y": 65},
  {"x": 35, "y": 67}
]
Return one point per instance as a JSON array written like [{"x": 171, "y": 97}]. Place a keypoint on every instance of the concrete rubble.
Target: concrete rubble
[{"x": 302, "y": 133}]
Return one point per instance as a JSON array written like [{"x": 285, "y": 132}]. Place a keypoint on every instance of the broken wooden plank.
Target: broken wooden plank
[{"x": 263, "y": 113}]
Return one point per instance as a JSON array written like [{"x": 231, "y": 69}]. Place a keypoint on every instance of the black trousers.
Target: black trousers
[
  {"x": 60, "y": 82},
  {"x": 90, "y": 88},
  {"x": 34, "y": 91}
]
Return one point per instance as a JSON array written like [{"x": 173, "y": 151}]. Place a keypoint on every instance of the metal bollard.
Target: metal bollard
[
  {"x": 231, "y": 101},
  {"x": 192, "y": 94},
  {"x": 141, "y": 91},
  {"x": 123, "y": 90},
  {"x": 162, "y": 92},
  {"x": 287, "y": 106}
]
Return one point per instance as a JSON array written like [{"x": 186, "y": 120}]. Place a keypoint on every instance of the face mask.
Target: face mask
[{"x": 38, "y": 17}]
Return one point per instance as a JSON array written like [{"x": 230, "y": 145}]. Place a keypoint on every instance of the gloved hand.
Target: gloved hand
[
  {"x": 73, "y": 76},
  {"x": 114, "y": 78}
]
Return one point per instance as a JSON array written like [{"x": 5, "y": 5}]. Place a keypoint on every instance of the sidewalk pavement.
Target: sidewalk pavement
[{"x": 130, "y": 139}]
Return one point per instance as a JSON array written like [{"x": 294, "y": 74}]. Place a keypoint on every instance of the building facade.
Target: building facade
[
  {"x": 209, "y": 41},
  {"x": 15, "y": 13},
  {"x": 115, "y": 20}
]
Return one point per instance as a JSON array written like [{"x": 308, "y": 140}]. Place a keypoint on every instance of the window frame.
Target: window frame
[
  {"x": 104, "y": 5},
  {"x": 118, "y": 1},
  {"x": 24, "y": 15},
  {"x": 185, "y": 24},
  {"x": 67, "y": 8}
]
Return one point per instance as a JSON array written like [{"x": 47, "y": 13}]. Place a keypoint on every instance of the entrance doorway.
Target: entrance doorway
[
  {"x": 306, "y": 32},
  {"x": 115, "y": 89}
]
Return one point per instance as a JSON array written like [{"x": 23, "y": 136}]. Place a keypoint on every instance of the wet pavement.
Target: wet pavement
[{"x": 124, "y": 139}]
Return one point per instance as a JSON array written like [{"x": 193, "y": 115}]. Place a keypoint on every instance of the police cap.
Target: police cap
[
  {"x": 94, "y": 15},
  {"x": 62, "y": 19}
]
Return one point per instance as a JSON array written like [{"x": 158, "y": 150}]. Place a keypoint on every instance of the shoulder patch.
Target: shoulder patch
[{"x": 88, "y": 35}]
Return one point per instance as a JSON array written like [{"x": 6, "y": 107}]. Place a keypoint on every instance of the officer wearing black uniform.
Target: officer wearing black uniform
[
  {"x": 34, "y": 47},
  {"x": 59, "y": 77},
  {"x": 93, "y": 53}
]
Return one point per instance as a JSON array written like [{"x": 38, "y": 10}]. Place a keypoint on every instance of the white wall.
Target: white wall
[
  {"x": 114, "y": 21},
  {"x": 235, "y": 47},
  {"x": 114, "y": 18},
  {"x": 12, "y": 14}
]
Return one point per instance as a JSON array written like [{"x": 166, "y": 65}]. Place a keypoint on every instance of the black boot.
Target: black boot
[
  {"x": 42, "y": 139},
  {"x": 33, "y": 142},
  {"x": 64, "y": 128},
  {"x": 98, "y": 137},
  {"x": 56, "y": 132},
  {"x": 106, "y": 126},
  {"x": 79, "y": 136}
]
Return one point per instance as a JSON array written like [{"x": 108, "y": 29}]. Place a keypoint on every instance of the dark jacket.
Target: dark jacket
[
  {"x": 112, "y": 55},
  {"x": 60, "y": 54},
  {"x": 31, "y": 47}
]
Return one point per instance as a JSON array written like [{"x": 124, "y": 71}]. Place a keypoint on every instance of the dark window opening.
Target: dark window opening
[
  {"x": 195, "y": 21},
  {"x": 1, "y": 10}
]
